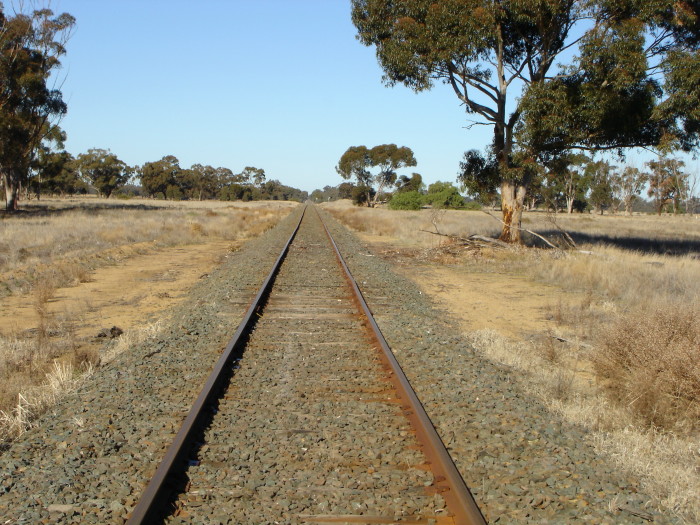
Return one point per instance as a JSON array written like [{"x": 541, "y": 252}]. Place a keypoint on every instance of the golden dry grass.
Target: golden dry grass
[
  {"x": 57, "y": 243},
  {"x": 62, "y": 240}
]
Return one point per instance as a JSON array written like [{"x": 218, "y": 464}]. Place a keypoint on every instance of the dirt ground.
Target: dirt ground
[
  {"x": 512, "y": 305},
  {"x": 127, "y": 295}
]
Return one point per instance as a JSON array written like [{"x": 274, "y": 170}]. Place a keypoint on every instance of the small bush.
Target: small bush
[
  {"x": 473, "y": 206},
  {"x": 407, "y": 200},
  {"x": 649, "y": 360},
  {"x": 359, "y": 195}
]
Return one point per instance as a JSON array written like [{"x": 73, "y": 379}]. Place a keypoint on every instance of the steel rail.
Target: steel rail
[
  {"x": 457, "y": 495},
  {"x": 149, "y": 506}
]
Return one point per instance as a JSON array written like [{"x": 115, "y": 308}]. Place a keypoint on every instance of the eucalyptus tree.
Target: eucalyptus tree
[
  {"x": 103, "y": 170},
  {"x": 667, "y": 183},
  {"x": 569, "y": 171},
  {"x": 55, "y": 173},
  {"x": 204, "y": 183},
  {"x": 389, "y": 158},
  {"x": 158, "y": 175},
  {"x": 30, "y": 47},
  {"x": 601, "y": 175},
  {"x": 547, "y": 76},
  {"x": 252, "y": 175},
  {"x": 630, "y": 183},
  {"x": 357, "y": 162},
  {"x": 413, "y": 183}
]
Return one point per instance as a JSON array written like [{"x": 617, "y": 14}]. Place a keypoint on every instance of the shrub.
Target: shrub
[
  {"x": 407, "y": 200},
  {"x": 359, "y": 194},
  {"x": 473, "y": 205},
  {"x": 443, "y": 195},
  {"x": 649, "y": 360}
]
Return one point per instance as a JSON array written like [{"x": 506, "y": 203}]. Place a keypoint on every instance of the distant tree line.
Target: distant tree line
[
  {"x": 101, "y": 171},
  {"x": 575, "y": 182},
  {"x": 572, "y": 182}
]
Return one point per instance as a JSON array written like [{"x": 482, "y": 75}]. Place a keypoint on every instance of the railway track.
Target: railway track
[{"x": 307, "y": 417}]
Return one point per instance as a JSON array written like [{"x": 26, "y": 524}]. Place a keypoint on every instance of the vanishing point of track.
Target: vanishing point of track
[{"x": 307, "y": 416}]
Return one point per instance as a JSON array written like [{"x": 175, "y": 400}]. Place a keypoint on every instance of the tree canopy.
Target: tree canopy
[
  {"x": 103, "y": 170},
  {"x": 548, "y": 76},
  {"x": 357, "y": 162},
  {"x": 30, "y": 47}
]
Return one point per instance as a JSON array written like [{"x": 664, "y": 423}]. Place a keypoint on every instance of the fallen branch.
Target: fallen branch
[
  {"x": 567, "y": 341},
  {"x": 524, "y": 230},
  {"x": 570, "y": 241},
  {"x": 472, "y": 239}
]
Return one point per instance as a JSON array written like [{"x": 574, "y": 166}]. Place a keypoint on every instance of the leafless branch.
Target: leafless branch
[{"x": 524, "y": 230}]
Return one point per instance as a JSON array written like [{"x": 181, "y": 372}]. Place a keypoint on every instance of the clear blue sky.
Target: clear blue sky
[{"x": 282, "y": 85}]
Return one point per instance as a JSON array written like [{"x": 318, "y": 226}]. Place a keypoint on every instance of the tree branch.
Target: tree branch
[{"x": 524, "y": 230}]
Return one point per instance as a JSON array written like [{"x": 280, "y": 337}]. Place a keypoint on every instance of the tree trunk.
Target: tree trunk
[
  {"x": 512, "y": 204},
  {"x": 569, "y": 205},
  {"x": 11, "y": 181}
]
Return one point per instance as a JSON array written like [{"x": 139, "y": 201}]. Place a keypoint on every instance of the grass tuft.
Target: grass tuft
[{"x": 649, "y": 360}]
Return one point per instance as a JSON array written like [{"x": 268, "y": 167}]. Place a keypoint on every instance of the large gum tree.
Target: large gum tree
[
  {"x": 31, "y": 45},
  {"x": 548, "y": 75}
]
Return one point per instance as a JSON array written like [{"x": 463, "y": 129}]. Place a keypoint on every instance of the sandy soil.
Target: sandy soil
[
  {"x": 126, "y": 295},
  {"x": 511, "y": 305},
  {"x": 514, "y": 306}
]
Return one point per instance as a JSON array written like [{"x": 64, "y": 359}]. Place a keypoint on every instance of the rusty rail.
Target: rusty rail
[
  {"x": 149, "y": 506},
  {"x": 449, "y": 481}
]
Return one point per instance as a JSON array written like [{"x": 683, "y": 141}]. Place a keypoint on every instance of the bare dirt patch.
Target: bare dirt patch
[
  {"x": 514, "y": 305},
  {"x": 485, "y": 300},
  {"x": 130, "y": 294}
]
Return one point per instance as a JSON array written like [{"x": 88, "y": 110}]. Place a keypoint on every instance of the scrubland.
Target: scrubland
[
  {"x": 57, "y": 243},
  {"x": 623, "y": 355}
]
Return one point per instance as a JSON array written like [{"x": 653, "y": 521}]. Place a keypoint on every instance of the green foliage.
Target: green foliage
[
  {"x": 103, "y": 170},
  {"x": 55, "y": 173},
  {"x": 479, "y": 177},
  {"x": 667, "y": 183},
  {"x": 443, "y": 195},
  {"x": 251, "y": 175},
  {"x": 357, "y": 161},
  {"x": 406, "y": 200},
  {"x": 345, "y": 190},
  {"x": 327, "y": 194},
  {"x": 415, "y": 183},
  {"x": 236, "y": 192},
  {"x": 157, "y": 176},
  {"x": 30, "y": 47},
  {"x": 275, "y": 190},
  {"x": 174, "y": 193},
  {"x": 362, "y": 195},
  {"x": 270, "y": 190},
  {"x": 600, "y": 174}
]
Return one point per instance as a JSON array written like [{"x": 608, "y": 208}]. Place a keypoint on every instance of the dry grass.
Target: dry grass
[
  {"x": 63, "y": 240},
  {"x": 58, "y": 243},
  {"x": 649, "y": 360},
  {"x": 631, "y": 370}
]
